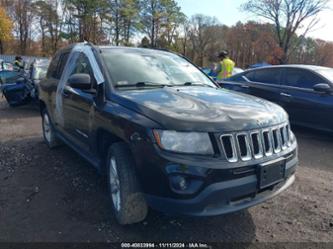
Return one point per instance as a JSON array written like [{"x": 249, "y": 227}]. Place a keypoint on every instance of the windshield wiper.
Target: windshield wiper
[
  {"x": 195, "y": 83},
  {"x": 143, "y": 84}
]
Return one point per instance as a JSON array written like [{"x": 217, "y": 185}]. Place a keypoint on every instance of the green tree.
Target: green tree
[
  {"x": 84, "y": 19},
  {"x": 123, "y": 16},
  {"x": 160, "y": 20},
  {"x": 49, "y": 22}
]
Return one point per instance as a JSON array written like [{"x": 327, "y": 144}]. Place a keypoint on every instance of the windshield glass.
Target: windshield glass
[
  {"x": 327, "y": 73},
  {"x": 130, "y": 66}
]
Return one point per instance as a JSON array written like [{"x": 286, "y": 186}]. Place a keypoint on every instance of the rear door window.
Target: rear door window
[
  {"x": 268, "y": 76},
  {"x": 61, "y": 65},
  {"x": 301, "y": 78},
  {"x": 53, "y": 66}
]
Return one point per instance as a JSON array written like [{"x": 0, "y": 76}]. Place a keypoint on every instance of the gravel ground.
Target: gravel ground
[{"x": 55, "y": 196}]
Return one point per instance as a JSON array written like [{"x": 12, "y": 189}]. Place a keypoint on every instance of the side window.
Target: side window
[
  {"x": 82, "y": 65},
  {"x": 301, "y": 78},
  {"x": 268, "y": 76},
  {"x": 61, "y": 65},
  {"x": 53, "y": 66},
  {"x": 250, "y": 75}
]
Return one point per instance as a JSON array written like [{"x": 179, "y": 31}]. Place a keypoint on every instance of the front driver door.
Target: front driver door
[
  {"x": 266, "y": 83},
  {"x": 79, "y": 106}
]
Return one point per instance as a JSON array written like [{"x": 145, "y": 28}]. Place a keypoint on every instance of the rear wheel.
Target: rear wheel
[
  {"x": 128, "y": 201},
  {"x": 48, "y": 131}
]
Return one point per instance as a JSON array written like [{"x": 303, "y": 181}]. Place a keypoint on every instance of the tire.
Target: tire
[
  {"x": 49, "y": 135},
  {"x": 128, "y": 201}
]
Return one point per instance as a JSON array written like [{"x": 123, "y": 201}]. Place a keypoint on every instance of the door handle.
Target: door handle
[
  {"x": 285, "y": 95},
  {"x": 245, "y": 86}
]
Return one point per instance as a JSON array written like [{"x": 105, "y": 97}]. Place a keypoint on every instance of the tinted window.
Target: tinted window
[
  {"x": 53, "y": 66},
  {"x": 61, "y": 65},
  {"x": 268, "y": 76},
  {"x": 250, "y": 75},
  {"x": 301, "y": 78}
]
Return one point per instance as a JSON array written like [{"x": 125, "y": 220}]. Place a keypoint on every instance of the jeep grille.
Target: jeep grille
[{"x": 255, "y": 144}]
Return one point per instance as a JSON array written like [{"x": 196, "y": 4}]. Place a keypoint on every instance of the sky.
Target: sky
[{"x": 228, "y": 12}]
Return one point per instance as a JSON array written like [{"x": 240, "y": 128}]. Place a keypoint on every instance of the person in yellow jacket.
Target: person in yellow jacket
[
  {"x": 226, "y": 66},
  {"x": 18, "y": 63}
]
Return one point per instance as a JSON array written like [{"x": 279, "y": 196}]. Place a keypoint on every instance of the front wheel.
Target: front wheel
[
  {"x": 128, "y": 201},
  {"x": 48, "y": 131}
]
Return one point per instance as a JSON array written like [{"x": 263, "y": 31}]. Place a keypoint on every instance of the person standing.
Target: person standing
[
  {"x": 226, "y": 66},
  {"x": 18, "y": 63}
]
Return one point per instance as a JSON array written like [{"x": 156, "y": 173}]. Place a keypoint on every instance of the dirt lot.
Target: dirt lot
[{"x": 50, "y": 196}]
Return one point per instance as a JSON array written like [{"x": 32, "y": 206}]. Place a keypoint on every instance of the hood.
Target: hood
[{"x": 202, "y": 108}]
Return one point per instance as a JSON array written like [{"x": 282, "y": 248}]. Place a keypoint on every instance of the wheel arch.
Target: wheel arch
[{"x": 104, "y": 139}]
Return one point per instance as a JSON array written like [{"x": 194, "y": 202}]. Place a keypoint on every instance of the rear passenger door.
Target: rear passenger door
[{"x": 304, "y": 105}]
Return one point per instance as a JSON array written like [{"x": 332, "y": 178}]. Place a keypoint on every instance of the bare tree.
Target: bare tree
[
  {"x": 201, "y": 34},
  {"x": 288, "y": 16}
]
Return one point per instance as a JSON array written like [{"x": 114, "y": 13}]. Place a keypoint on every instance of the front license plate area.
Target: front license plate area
[{"x": 271, "y": 173}]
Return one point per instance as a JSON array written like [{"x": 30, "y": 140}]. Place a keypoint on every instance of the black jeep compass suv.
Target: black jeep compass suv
[{"x": 165, "y": 135}]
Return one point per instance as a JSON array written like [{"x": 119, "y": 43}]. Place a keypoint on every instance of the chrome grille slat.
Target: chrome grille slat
[
  {"x": 229, "y": 137},
  {"x": 255, "y": 144},
  {"x": 267, "y": 142},
  {"x": 276, "y": 140},
  {"x": 247, "y": 156}
]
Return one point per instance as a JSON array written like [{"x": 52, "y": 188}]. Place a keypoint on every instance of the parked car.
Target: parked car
[
  {"x": 164, "y": 134},
  {"x": 21, "y": 87},
  {"x": 305, "y": 92},
  {"x": 16, "y": 87}
]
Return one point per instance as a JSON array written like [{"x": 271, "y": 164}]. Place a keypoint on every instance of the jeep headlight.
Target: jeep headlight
[{"x": 184, "y": 142}]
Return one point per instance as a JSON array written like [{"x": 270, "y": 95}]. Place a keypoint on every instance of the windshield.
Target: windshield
[
  {"x": 130, "y": 66},
  {"x": 327, "y": 73}
]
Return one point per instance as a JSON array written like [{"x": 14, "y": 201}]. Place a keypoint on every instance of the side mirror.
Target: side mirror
[
  {"x": 322, "y": 88},
  {"x": 80, "y": 81}
]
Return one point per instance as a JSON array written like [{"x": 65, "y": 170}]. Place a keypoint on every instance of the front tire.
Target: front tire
[
  {"x": 128, "y": 201},
  {"x": 49, "y": 135}
]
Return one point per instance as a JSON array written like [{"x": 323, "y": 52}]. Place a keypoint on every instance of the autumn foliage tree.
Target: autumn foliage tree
[
  {"x": 288, "y": 17},
  {"x": 5, "y": 29}
]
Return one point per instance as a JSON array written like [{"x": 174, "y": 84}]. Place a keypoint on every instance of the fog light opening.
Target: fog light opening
[{"x": 179, "y": 183}]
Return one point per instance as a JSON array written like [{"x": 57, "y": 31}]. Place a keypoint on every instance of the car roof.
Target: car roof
[
  {"x": 104, "y": 47},
  {"x": 300, "y": 66}
]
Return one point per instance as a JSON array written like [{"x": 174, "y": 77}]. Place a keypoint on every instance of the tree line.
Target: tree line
[{"x": 41, "y": 27}]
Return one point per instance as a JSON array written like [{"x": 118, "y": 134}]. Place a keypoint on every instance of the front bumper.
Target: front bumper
[{"x": 225, "y": 197}]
